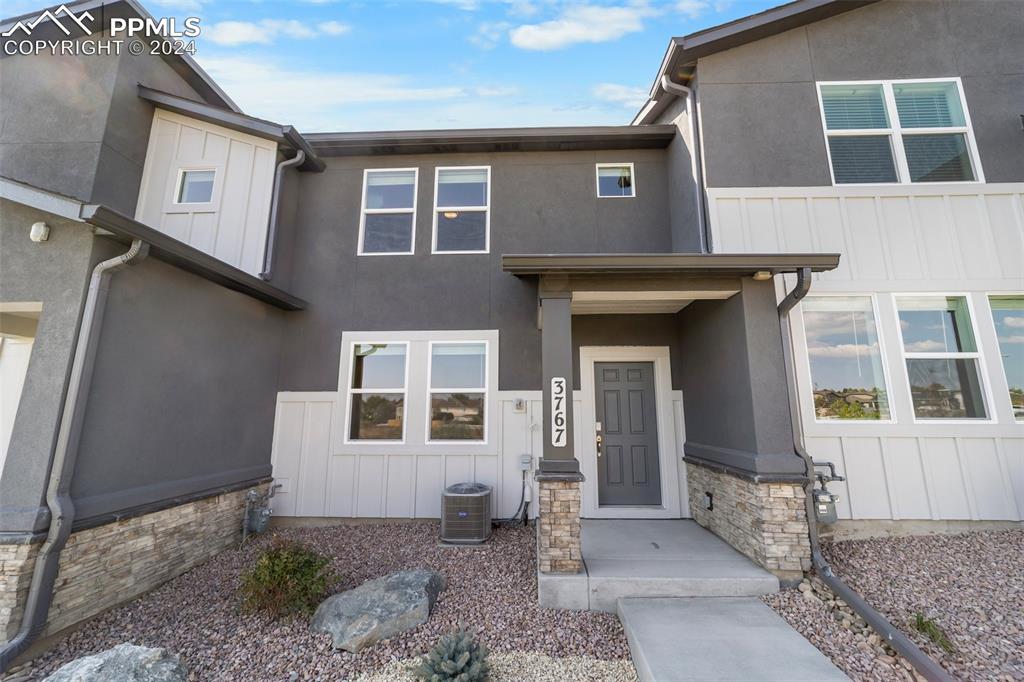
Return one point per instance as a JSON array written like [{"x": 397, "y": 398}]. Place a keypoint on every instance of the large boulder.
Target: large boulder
[
  {"x": 378, "y": 608},
  {"x": 123, "y": 663}
]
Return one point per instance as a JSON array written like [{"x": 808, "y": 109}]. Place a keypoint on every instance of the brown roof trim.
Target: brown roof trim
[
  {"x": 684, "y": 51},
  {"x": 187, "y": 258},
  {"x": 492, "y": 140},
  {"x": 691, "y": 264},
  {"x": 282, "y": 134}
]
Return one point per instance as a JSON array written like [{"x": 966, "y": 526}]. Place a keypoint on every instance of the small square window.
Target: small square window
[
  {"x": 615, "y": 180},
  {"x": 195, "y": 187}
]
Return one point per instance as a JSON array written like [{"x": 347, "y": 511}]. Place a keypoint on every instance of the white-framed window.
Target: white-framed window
[
  {"x": 941, "y": 357},
  {"x": 615, "y": 180},
  {"x": 378, "y": 377},
  {"x": 195, "y": 185},
  {"x": 1008, "y": 318},
  {"x": 462, "y": 216},
  {"x": 898, "y": 131},
  {"x": 457, "y": 381},
  {"x": 387, "y": 222},
  {"x": 845, "y": 359}
]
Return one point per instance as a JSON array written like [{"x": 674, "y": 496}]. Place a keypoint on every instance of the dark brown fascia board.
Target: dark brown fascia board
[
  {"x": 492, "y": 140},
  {"x": 684, "y": 51},
  {"x": 689, "y": 264},
  {"x": 187, "y": 258},
  {"x": 102, "y": 12},
  {"x": 282, "y": 134}
]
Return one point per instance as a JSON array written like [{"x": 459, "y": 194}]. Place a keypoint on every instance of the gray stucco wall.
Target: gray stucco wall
[
  {"x": 540, "y": 203},
  {"x": 183, "y": 392},
  {"x": 627, "y": 330},
  {"x": 75, "y": 124},
  {"x": 683, "y": 198},
  {"x": 761, "y": 121},
  {"x": 734, "y": 382},
  {"x": 55, "y": 274}
]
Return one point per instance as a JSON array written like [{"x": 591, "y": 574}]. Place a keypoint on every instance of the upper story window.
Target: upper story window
[
  {"x": 388, "y": 221},
  {"x": 845, "y": 357},
  {"x": 898, "y": 132},
  {"x": 462, "y": 210},
  {"x": 195, "y": 186},
  {"x": 615, "y": 180},
  {"x": 1008, "y": 316},
  {"x": 942, "y": 357}
]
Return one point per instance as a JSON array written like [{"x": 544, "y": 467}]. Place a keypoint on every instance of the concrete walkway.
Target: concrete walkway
[
  {"x": 718, "y": 638},
  {"x": 653, "y": 558}
]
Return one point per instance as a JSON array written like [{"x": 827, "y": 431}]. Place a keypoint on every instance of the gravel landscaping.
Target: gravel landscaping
[
  {"x": 970, "y": 585},
  {"x": 492, "y": 588}
]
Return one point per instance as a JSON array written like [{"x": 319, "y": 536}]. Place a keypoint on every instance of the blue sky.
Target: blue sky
[{"x": 333, "y": 65}]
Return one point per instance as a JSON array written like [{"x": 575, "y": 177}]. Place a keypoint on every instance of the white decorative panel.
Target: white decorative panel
[{"x": 232, "y": 226}]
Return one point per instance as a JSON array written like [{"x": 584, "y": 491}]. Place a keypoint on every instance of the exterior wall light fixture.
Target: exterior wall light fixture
[
  {"x": 762, "y": 275},
  {"x": 40, "y": 232}
]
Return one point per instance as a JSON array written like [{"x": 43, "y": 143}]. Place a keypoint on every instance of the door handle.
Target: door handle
[{"x": 597, "y": 439}]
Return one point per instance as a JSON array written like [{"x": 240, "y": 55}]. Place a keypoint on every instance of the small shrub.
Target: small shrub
[
  {"x": 287, "y": 579},
  {"x": 457, "y": 657},
  {"x": 930, "y": 629}
]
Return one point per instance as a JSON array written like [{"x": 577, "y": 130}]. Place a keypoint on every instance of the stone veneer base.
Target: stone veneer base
[
  {"x": 103, "y": 566},
  {"x": 767, "y": 522},
  {"x": 558, "y": 527}
]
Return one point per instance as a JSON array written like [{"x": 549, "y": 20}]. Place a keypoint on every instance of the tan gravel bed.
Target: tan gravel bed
[
  {"x": 492, "y": 588},
  {"x": 528, "y": 666},
  {"x": 970, "y": 584}
]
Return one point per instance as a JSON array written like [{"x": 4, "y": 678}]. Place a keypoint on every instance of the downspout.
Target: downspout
[
  {"x": 894, "y": 637},
  {"x": 275, "y": 201},
  {"x": 58, "y": 490},
  {"x": 698, "y": 160}
]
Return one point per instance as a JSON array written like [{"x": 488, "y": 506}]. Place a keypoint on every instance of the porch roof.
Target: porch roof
[{"x": 686, "y": 264}]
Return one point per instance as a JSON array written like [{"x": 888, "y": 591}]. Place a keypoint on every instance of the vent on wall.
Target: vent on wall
[{"x": 466, "y": 513}]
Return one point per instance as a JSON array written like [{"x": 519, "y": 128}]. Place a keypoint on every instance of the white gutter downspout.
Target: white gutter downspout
[
  {"x": 698, "y": 157},
  {"x": 58, "y": 491},
  {"x": 268, "y": 248}
]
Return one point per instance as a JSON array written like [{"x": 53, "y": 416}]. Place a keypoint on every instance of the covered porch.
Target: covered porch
[{"x": 681, "y": 410}]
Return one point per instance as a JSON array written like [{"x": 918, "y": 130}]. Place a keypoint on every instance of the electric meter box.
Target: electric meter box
[{"x": 825, "y": 506}]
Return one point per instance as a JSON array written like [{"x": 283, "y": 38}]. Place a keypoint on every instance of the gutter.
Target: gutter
[
  {"x": 923, "y": 663},
  {"x": 62, "y": 470},
  {"x": 275, "y": 202},
  {"x": 698, "y": 157}
]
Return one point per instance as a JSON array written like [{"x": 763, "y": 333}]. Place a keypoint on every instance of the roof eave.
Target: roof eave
[{"x": 682, "y": 264}]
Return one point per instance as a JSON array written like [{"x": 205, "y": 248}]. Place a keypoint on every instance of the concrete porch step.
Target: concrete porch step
[
  {"x": 653, "y": 558},
  {"x": 721, "y": 638}
]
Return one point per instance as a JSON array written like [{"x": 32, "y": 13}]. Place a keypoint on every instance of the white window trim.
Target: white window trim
[
  {"x": 978, "y": 356},
  {"x": 179, "y": 178},
  {"x": 485, "y": 390},
  {"x": 486, "y": 210},
  {"x": 363, "y": 211},
  {"x": 809, "y": 398},
  {"x": 895, "y": 133},
  {"x": 349, "y": 392},
  {"x": 417, "y": 406},
  {"x": 989, "y": 295},
  {"x": 632, "y": 180}
]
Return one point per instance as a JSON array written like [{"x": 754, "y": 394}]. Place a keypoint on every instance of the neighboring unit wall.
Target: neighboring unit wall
[
  {"x": 948, "y": 239},
  {"x": 233, "y": 225},
  {"x": 183, "y": 390},
  {"x": 54, "y": 274},
  {"x": 761, "y": 125}
]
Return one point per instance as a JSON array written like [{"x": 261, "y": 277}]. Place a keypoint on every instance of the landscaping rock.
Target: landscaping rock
[
  {"x": 379, "y": 608},
  {"x": 123, "y": 663}
]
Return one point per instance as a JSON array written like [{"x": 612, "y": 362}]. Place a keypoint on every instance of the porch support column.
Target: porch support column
[{"x": 558, "y": 475}]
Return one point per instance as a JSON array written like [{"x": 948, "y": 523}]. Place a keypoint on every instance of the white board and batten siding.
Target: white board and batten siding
[
  {"x": 233, "y": 226},
  {"x": 947, "y": 239}
]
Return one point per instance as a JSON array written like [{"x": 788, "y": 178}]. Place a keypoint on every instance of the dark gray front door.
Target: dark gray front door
[{"x": 627, "y": 462}]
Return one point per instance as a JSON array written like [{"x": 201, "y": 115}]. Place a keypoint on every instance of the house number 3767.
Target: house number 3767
[{"x": 558, "y": 404}]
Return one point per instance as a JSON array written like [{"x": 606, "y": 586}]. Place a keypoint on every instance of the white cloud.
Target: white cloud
[
  {"x": 1013, "y": 339},
  {"x": 581, "y": 24},
  {"x": 928, "y": 346},
  {"x": 489, "y": 34},
  {"x": 1015, "y": 322},
  {"x": 179, "y": 5},
  {"x": 233, "y": 33},
  {"x": 844, "y": 350},
  {"x": 495, "y": 90},
  {"x": 625, "y": 95},
  {"x": 693, "y": 8}
]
